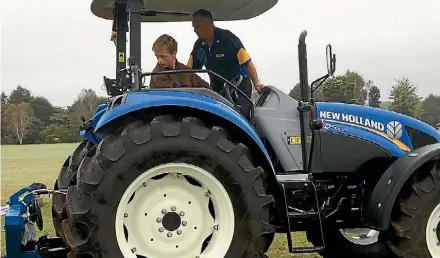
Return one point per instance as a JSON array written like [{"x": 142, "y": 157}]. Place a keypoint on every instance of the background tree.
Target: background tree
[
  {"x": 339, "y": 89},
  {"x": 404, "y": 97},
  {"x": 86, "y": 103},
  {"x": 295, "y": 93},
  {"x": 386, "y": 104},
  {"x": 18, "y": 120},
  {"x": 430, "y": 110},
  {"x": 360, "y": 86},
  {"x": 19, "y": 95},
  {"x": 374, "y": 96},
  {"x": 4, "y": 98}
]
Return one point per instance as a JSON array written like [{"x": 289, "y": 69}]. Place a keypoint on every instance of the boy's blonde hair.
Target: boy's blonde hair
[{"x": 165, "y": 42}]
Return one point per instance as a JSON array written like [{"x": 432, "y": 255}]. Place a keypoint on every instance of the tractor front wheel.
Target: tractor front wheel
[
  {"x": 350, "y": 242},
  {"x": 416, "y": 218},
  {"x": 169, "y": 188}
]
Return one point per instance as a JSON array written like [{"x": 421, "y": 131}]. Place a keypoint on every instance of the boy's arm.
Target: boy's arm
[
  {"x": 159, "y": 80},
  {"x": 197, "y": 81}
]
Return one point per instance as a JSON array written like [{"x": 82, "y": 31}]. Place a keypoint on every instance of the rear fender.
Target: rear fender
[
  {"x": 149, "y": 100},
  {"x": 378, "y": 212}
]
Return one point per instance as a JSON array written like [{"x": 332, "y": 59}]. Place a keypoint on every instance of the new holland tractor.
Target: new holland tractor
[{"x": 181, "y": 173}]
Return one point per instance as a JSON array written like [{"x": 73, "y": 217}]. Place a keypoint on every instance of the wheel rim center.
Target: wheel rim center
[{"x": 171, "y": 221}]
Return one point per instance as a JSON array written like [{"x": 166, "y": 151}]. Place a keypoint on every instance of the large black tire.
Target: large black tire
[
  {"x": 415, "y": 204},
  {"x": 66, "y": 178},
  {"x": 339, "y": 246},
  {"x": 118, "y": 160}
]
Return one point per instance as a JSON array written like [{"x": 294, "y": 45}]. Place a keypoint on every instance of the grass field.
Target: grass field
[{"x": 23, "y": 165}]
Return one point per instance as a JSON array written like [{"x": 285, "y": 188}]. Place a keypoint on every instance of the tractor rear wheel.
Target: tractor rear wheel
[
  {"x": 169, "y": 188},
  {"x": 416, "y": 218},
  {"x": 66, "y": 178}
]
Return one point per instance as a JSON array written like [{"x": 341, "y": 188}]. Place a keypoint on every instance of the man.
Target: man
[
  {"x": 222, "y": 52},
  {"x": 165, "y": 50}
]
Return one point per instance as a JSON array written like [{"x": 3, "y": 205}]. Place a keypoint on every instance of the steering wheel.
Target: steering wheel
[{"x": 229, "y": 92}]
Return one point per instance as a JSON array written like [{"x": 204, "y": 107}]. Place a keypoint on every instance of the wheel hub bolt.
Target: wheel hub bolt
[
  {"x": 169, "y": 234},
  {"x": 215, "y": 227},
  {"x": 173, "y": 208},
  {"x": 159, "y": 220},
  {"x": 182, "y": 213},
  {"x": 144, "y": 184},
  {"x": 438, "y": 243},
  {"x": 207, "y": 193},
  {"x": 161, "y": 229},
  {"x": 125, "y": 215},
  {"x": 179, "y": 232},
  {"x": 133, "y": 249},
  {"x": 184, "y": 223},
  {"x": 164, "y": 211}
]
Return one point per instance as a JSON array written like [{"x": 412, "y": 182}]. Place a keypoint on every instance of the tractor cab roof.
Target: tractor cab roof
[{"x": 222, "y": 10}]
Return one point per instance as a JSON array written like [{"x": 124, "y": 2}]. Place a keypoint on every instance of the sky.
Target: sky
[{"x": 56, "y": 48}]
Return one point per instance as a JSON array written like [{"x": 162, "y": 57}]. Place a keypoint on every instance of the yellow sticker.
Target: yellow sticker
[
  {"x": 121, "y": 57},
  {"x": 297, "y": 139}
]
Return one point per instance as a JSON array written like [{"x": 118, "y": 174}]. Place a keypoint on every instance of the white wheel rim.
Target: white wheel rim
[
  {"x": 360, "y": 236},
  {"x": 147, "y": 225},
  {"x": 432, "y": 240}
]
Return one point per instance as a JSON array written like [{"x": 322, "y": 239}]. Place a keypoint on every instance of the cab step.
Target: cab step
[{"x": 305, "y": 250}]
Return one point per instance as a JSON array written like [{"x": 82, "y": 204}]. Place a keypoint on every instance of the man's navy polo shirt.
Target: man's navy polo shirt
[{"x": 226, "y": 57}]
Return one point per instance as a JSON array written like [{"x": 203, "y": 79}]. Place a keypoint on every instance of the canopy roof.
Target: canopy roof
[{"x": 222, "y": 10}]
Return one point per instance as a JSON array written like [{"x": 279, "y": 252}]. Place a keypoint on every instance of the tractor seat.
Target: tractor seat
[{"x": 201, "y": 91}]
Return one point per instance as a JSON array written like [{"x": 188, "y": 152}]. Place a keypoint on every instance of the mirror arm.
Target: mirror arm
[{"x": 320, "y": 80}]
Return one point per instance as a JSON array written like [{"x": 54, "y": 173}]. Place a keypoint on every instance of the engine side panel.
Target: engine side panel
[
  {"x": 387, "y": 129},
  {"x": 353, "y": 150},
  {"x": 278, "y": 120}
]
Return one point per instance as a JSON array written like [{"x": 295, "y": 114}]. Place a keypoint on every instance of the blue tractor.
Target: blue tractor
[{"x": 181, "y": 173}]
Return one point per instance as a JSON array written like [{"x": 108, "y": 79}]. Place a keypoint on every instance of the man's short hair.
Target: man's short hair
[{"x": 203, "y": 13}]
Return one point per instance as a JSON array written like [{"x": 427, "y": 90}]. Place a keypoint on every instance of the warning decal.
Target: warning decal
[{"x": 121, "y": 57}]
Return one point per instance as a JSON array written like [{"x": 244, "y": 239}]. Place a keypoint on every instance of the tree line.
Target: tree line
[
  {"x": 352, "y": 88},
  {"x": 29, "y": 119}
]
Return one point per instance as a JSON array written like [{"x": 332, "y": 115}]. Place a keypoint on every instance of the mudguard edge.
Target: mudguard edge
[
  {"x": 378, "y": 211},
  {"x": 143, "y": 100}
]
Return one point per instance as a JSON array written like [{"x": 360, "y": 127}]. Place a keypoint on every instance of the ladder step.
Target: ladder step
[
  {"x": 303, "y": 250},
  {"x": 302, "y": 215}
]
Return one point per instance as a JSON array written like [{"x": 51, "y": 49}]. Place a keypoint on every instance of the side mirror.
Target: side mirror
[{"x": 331, "y": 60}]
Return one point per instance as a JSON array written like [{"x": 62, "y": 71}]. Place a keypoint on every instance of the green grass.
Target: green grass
[{"x": 23, "y": 165}]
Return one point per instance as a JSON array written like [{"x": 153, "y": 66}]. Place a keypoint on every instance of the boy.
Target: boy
[{"x": 165, "y": 50}]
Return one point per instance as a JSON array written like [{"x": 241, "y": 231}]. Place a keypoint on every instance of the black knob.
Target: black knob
[{"x": 316, "y": 124}]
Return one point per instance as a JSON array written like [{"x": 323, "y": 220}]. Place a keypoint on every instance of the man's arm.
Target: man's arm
[
  {"x": 245, "y": 60},
  {"x": 193, "y": 61}
]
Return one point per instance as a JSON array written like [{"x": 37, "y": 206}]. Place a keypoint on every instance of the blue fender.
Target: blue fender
[
  {"x": 148, "y": 99},
  {"x": 99, "y": 111}
]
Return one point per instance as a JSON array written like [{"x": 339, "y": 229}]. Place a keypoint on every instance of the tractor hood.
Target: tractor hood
[
  {"x": 395, "y": 132},
  {"x": 222, "y": 10}
]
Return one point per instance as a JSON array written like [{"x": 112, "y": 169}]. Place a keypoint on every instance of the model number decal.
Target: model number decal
[
  {"x": 335, "y": 128},
  {"x": 352, "y": 119}
]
